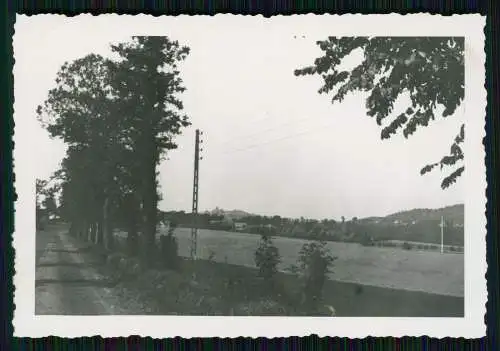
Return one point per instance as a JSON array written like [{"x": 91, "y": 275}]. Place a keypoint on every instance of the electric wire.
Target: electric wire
[
  {"x": 280, "y": 126},
  {"x": 253, "y": 146}
]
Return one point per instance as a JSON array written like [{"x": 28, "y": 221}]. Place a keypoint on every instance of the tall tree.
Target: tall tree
[
  {"x": 429, "y": 69},
  {"x": 147, "y": 81},
  {"x": 80, "y": 111}
]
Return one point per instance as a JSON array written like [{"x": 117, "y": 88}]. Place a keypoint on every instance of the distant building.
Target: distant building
[{"x": 240, "y": 226}]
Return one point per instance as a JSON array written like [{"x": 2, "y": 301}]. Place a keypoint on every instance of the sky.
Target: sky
[{"x": 271, "y": 143}]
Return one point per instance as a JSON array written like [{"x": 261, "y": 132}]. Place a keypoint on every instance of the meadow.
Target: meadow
[{"x": 394, "y": 268}]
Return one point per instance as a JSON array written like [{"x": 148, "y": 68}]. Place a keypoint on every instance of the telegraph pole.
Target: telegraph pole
[{"x": 194, "y": 229}]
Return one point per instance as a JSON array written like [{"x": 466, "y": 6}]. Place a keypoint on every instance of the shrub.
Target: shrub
[
  {"x": 366, "y": 240},
  {"x": 211, "y": 255},
  {"x": 267, "y": 258},
  {"x": 358, "y": 289},
  {"x": 313, "y": 265},
  {"x": 170, "y": 249}
]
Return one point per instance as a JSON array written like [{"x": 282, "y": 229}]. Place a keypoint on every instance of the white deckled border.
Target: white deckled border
[{"x": 317, "y": 27}]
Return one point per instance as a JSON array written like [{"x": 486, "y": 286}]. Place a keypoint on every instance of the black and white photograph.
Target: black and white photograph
[{"x": 196, "y": 170}]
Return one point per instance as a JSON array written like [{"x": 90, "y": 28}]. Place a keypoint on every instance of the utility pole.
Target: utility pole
[{"x": 194, "y": 212}]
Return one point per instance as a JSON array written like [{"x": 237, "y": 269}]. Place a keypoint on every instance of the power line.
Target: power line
[
  {"x": 280, "y": 126},
  {"x": 253, "y": 121},
  {"x": 274, "y": 140}
]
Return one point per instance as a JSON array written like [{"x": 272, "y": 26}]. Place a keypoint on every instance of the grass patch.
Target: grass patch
[
  {"x": 210, "y": 288},
  {"x": 206, "y": 287}
]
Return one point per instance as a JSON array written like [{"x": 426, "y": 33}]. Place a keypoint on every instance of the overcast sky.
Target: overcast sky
[{"x": 271, "y": 143}]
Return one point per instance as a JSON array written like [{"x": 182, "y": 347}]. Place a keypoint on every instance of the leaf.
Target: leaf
[
  {"x": 428, "y": 168},
  {"x": 394, "y": 126},
  {"x": 452, "y": 178},
  {"x": 429, "y": 69}
]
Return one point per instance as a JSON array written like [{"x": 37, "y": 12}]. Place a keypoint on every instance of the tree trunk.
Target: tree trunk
[
  {"x": 82, "y": 231},
  {"x": 99, "y": 233},
  {"x": 107, "y": 235},
  {"x": 149, "y": 209},
  {"x": 87, "y": 231},
  {"x": 132, "y": 239},
  {"x": 93, "y": 232},
  {"x": 132, "y": 235}
]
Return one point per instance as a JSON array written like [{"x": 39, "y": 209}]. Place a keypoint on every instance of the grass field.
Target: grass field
[
  {"x": 393, "y": 268},
  {"x": 171, "y": 292}
]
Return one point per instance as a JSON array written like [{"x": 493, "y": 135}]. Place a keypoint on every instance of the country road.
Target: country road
[{"x": 68, "y": 283}]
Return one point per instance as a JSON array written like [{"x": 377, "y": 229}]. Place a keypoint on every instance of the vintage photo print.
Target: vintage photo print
[{"x": 248, "y": 176}]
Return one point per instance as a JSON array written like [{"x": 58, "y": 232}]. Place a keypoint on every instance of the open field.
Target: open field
[
  {"x": 74, "y": 277},
  {"x": 394, "y": 268},
  {"x": 348, "y": 299}
]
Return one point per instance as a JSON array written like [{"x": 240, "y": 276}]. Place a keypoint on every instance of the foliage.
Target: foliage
[
  {"x": 456, "y": 155},
  {"x": 407, "y": 246},
  {"x": 429, "y": 69},
  {"x": 170, "y": 249},
  {"x": 39, "y": 186},
  {"x": 79, "y": 111},
  {"x": 211, "y": 255},
  {"x": 267, "y": 258},
  {"x": 46, "y": 198},
  {"x": 313, "y": 265},
  {"x": 117, "y": 117},
  {"x": 146, "y": 81}
]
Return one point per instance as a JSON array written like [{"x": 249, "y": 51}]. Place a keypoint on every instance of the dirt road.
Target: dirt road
[{"x": 68, "y": 281}]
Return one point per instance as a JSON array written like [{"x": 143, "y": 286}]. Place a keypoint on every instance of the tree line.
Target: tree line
[
  {"x": 353, "y": 230},
  {"x": 118, "y": 118}
]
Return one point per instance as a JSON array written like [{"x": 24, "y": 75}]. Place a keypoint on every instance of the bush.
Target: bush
[
  {"x": 407, "y": 246},
  {"x": 358, "y": 289},
  {"x": 267, "y": 258},
  {"x": 170, "y": 249},
  {"x": 313, "y": 265},
  {"x": 211, "y": 255}
]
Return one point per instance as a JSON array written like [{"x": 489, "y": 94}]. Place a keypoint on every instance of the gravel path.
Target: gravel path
[{"x": 68, "y": 282}]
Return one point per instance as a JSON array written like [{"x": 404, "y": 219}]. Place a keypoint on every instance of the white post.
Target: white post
[{"x": 442, "y": 230}]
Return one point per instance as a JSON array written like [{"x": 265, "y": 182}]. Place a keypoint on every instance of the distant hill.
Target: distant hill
[
  {"x": 420, "y": 225},
  {"x": 234, "y": 214},
  {"x": 237, "y": 214},
  {"x": 453, "y": 214}
]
